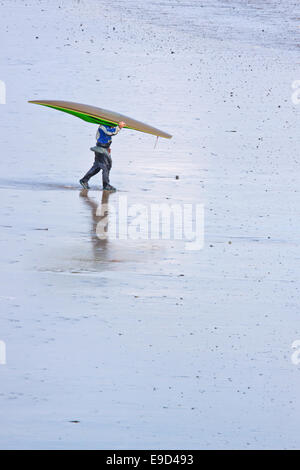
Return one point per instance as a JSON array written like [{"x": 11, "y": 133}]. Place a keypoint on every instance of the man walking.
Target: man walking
[{"x": 103, "y": 159}]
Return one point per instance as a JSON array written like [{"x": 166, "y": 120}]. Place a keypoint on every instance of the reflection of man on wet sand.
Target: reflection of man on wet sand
[{"x": 99, "y": 215}]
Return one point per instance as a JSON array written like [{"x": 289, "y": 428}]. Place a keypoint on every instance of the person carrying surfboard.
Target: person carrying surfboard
[{"x": 103, "y": 159}]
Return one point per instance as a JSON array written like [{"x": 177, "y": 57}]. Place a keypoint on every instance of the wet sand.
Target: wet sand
[{"x": 146, "y": 344}]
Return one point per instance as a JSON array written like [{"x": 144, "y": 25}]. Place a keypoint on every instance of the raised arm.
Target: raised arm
[{"x": 114, "y": 130}]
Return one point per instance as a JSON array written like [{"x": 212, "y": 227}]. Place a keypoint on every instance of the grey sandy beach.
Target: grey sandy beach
[{"x": 143, "y": 344}]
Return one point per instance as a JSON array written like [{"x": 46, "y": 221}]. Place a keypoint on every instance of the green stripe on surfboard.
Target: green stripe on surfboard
[{"x": 84, "y": 116}]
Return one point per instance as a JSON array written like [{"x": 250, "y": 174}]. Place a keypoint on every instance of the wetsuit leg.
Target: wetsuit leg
[
  {"x": 94, "y": 170},
  {"x": 102, "y": 162},
  {"x": 107, "y": 164}
]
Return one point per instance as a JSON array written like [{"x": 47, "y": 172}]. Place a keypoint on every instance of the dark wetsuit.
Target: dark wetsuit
[
  {"x": 103, "y": 159},
  {"x": 102, "y": 162}
]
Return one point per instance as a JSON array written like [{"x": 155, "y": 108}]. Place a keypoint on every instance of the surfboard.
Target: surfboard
[{"x": 97, "y": 115}]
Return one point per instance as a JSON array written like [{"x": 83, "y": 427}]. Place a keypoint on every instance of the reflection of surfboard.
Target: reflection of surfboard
[{"x": 100, "y": 116}]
